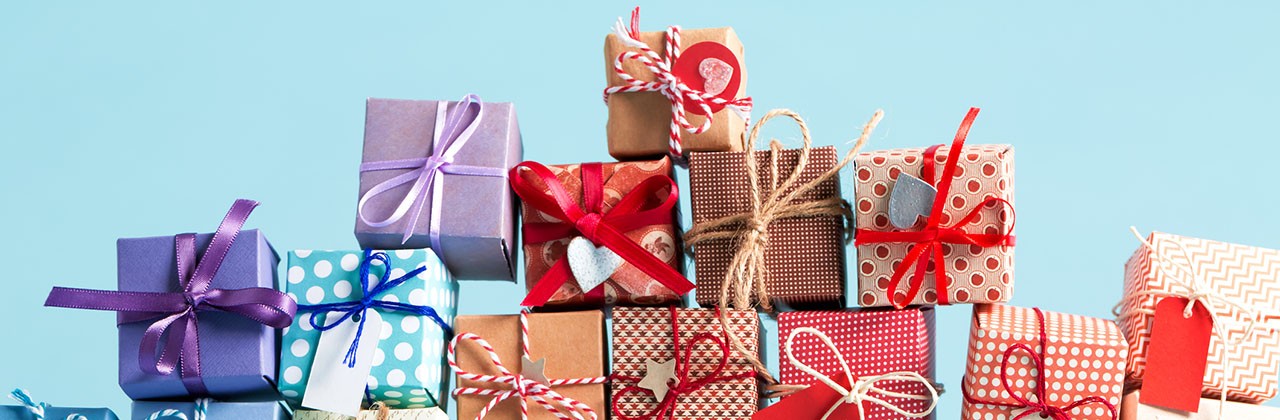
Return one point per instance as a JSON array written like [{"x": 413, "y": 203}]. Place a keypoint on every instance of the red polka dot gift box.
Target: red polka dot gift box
[{"x": 1051, "y": 364}]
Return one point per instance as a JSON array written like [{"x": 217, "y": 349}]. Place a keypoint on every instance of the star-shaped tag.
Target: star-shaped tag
[
  {"x": 657, "y": 377},
  {"x": 534, "y": 371}
]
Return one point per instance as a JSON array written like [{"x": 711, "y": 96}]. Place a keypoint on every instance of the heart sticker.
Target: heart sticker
[
  {"x": 712, "y": 68},
  {"x": 910, "y": 200},
  {"x": 715, "y": 75},
  {"x": 591, "y": 265}
]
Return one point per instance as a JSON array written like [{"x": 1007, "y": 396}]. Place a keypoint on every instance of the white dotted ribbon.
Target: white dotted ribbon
[{"x": 863, "y": 389}]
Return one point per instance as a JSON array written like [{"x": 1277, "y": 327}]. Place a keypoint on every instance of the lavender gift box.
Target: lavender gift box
[
  {"x": 477, "y": 226},
  {"x": 264, "y": 410},
  {"x": 238, "y": 355}
]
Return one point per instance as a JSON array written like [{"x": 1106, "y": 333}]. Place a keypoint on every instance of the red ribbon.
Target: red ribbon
[
  {"x": 602, "y": 227},
  {"x": 684, "y": 384},
  {"x": 929, "y": 240},
  {"x": 1040, "y": 405}
]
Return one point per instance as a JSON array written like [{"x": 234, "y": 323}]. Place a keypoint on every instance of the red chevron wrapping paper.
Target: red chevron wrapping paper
[
  {"x": 1244, "y": 274},
  {"x": 641, "y": 334},
  {"x": 1084, "y": 357},
  {"x": 873, "y": 342}
]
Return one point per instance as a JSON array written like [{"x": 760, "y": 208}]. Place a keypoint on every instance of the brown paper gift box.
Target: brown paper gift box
[
  {"x": 571, "y": 342},
  {"x": 805, "y": 256},
  {"x": 640, "y": 122}
]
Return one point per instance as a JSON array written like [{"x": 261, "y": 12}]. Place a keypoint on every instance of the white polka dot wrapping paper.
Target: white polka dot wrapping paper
[
  {"x": 1083, "y": 357},
  {"x": 408, "y": 363}
]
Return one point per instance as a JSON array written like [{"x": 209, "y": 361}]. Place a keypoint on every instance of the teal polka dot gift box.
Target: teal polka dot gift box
[{"x": 412, "y": 292}]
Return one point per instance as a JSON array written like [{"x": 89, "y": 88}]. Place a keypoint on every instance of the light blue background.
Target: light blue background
[{"x": 136, "y": 120}]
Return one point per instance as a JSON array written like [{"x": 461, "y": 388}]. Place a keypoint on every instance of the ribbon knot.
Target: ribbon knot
[
  {"x": 588, "y": 225},
  {"x": 862, "y": 389}
]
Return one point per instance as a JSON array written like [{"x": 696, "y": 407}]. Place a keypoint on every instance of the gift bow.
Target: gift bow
[
  {"x": 602, "y": 227},
  {"x": 524, "y": 387},
  {"x": 1040, "y": 405},
  {"x": 684, "y": 382},
  {"x": 37, "y": 409},
  {"x": 930, "y": 239},
  {"x": 178, "y": 311},
  {"x": 200, "y": 412},
  {"x": 452, "y": 131},
  {"x": 368, "y": 300},
  {"x": 680, "y": 94},
  {"x": 862, "y": 389}
]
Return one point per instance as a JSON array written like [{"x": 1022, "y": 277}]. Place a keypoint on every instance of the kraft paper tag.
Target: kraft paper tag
[
  {"x": 332, "y": 385},
  {"x": 1177, "y": 355}
]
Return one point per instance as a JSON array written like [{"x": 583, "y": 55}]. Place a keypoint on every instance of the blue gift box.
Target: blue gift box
[
  {"x": 27, "y": 410},
  {"x": 263, "y": 410}
]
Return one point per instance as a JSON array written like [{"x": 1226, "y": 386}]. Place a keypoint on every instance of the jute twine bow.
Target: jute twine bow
[
  {"x": 747, "y": 275},
  {"x": 384, "y": 412}
]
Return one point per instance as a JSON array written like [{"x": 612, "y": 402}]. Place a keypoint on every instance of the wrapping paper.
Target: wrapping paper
[
  {"x": 642, "y": 334},
  {"x": 477, "y": 226},
  {"x": 804, "y": 256},
  {"x": 976, "y": 274},
  {"x": 17, "y": 412},
  {"x": 264, "y": 410},
  {"x": 573, "y": 344},
  {"x": 238, "y": 355},
  {"x": 873, "y": 342},
  {"x": 628, "y": 285},
  {"x": 1245, "y": 274},
  {"x": 408, "y": 364},
  {"x": 1084, "y": 357},
  {"x": 1131, "y": 409},
  {"x": 640, "y": 122},
  {"x": 433, "y": 413}
]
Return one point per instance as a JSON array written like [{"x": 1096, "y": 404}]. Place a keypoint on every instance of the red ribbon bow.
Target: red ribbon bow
[
  {"x": 1040, "y": 405},
  {"x": 930, "y": 239},
  {"x": 602, "y": 227}
]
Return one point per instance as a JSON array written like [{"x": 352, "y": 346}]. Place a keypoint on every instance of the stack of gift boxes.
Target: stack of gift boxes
[{"x": 207, "y": 330}]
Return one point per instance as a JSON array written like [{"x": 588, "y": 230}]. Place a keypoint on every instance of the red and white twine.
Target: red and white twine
[
  {"x": 562, "y": 407},
  {"x": 680, "y": 94}
]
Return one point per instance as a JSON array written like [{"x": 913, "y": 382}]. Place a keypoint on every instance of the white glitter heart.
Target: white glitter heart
[
  {"x": 911, "y": 199},
  {"x": 715, "y": 75},
  {"x": 590, "y": 265}
]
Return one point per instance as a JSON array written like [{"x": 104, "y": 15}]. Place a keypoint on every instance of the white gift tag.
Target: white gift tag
[{"x": 332, "y": 386}]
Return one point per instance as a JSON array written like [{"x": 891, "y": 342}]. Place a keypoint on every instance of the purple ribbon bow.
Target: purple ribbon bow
[
  {"x": 453, "y": 130},
  {"x": 177, "y": 311}
]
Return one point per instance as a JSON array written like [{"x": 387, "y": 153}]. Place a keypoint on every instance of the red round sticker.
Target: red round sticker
[{"x": 709, "y": 67}]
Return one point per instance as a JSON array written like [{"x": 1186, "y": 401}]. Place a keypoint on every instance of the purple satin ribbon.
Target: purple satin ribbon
[
  {"x": 177, "y": 311},
  {"x": 453, "y": 130}
]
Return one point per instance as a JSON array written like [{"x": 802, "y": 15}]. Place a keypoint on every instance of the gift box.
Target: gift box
[
  {"x": 432, "y": 413},
  {"x": 703, "y": 61},
  {"x": 433, "y": 175},
  {"x": 978, "y": 206},
  {"x": 686, "y": 346},
  {"x": 1238, "y": 274},
  {"x": 1076, "y": 361},
  {"x": 24, "y": 411},
  {"x": 408, "y": 361},
  {"x": 214, "y": 410},
  {"x": 1132, "y": 409},
  {"x": 562, "y": 347},
  {"x": 628, "y": 254}
]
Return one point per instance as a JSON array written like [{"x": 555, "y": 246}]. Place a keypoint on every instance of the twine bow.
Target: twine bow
[
  {"x": 452, "y": 131},
  {"x": 37, "y": 409},
  {"x": 684, "y": 383},
  {"x": 369, "y": 300},
  {"x": 1040, "y": 405},
  {"x": 200, "y": 412},
  {"x": 521, "y": 386},
  {"x": 680, "y": 94}
]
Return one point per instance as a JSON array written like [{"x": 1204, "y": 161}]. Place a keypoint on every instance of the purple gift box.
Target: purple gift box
[{"x": 447, "y": 160}]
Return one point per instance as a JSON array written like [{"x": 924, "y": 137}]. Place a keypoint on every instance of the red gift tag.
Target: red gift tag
[
  {"x": 1177, "y": 355},
  {"x": 709, "y": 67},
  {"x": 811, "y": 403}
]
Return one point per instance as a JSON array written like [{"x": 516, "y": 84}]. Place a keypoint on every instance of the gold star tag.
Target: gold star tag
[
  {"x": 534, "y": 371},
  {"x": 657, "y": 376}
]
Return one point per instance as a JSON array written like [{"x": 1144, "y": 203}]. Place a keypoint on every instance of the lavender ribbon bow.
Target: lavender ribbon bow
[
  {"x": 177, "y": 311},
  {"x": 453, "y": 130}
]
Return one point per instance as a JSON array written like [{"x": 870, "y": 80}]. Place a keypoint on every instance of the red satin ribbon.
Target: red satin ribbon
[
  {"x": 601, "y": 227},
  {"x": 929, "y": 240}
]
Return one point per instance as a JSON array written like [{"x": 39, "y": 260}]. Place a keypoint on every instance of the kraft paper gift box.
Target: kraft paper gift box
[
  {"x": 1244, "y": 275},
  {"x": 974, "y": 274},
  {"x": 570, "y": 345},
  {"x": 408, "y": 361},
  {"x": 643, "y": 337},
  {"x": 433, "y": 413},
  {"x": 23, "y": 412},
  {"x": 1132, "y": 409},
  {"x": 639, "y": 125},
  {"x": 549, "y": 262},
  {"x": 1083, "y": 360},
  {"x": 214, "y": 410},
  {"x": 477, "y": 234}
]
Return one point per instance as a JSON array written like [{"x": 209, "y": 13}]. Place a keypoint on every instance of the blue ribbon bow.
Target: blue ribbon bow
[{"x": 356, "y": 309}]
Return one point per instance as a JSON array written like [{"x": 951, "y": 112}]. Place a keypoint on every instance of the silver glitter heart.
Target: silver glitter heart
[{"x": 910, "y": 200}]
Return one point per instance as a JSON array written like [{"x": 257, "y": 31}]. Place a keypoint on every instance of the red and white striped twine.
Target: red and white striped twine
[{"x": 560, "y": 406}]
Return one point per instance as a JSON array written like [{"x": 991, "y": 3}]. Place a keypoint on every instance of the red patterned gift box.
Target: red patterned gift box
[
  {"x": 1236, "y": 279},
  {"x": 711, "y": 379},
  {"x": 1058, "y": 365},
  {"x": 970, "y": 232}
]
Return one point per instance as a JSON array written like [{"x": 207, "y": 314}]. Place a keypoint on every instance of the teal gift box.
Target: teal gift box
[{"x": 409, "y": 362}]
